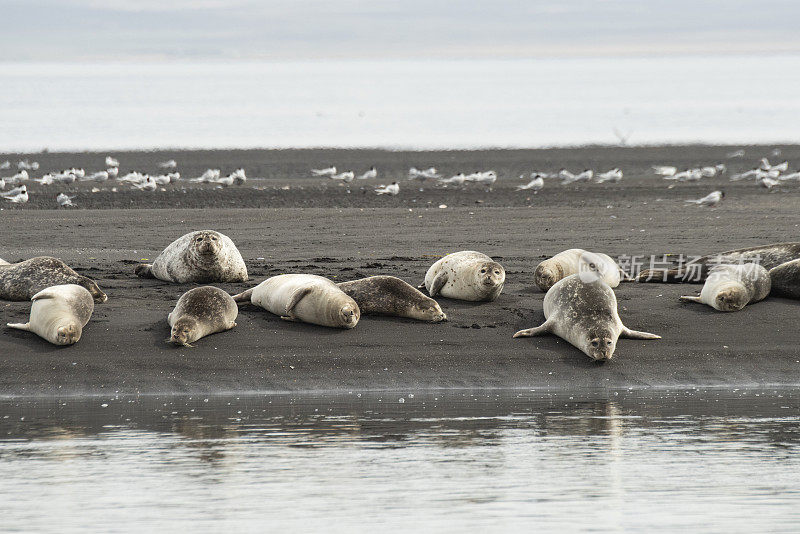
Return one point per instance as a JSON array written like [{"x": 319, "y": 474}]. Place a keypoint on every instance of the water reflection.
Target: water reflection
[{"x": 426, "y": 460}]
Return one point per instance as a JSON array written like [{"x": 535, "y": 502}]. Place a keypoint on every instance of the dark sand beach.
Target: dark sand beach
[{"x": 284, "y": 221}]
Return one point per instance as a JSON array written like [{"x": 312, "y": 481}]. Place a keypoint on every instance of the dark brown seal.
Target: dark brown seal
[
  {"x": 388, "y": 295},
  {"x": 768, "y": 256},
  {"x": 21, "y": 281},
  {"x": 786, "y": 279}
]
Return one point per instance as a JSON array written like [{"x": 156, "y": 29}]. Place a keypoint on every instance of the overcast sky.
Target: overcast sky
[{"x": 132, "y": 30}]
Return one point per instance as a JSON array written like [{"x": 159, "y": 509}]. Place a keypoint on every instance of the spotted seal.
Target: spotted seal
[
  {"x": 388, "y": 295},
  {"x": 200, "y": 312},
  {"x": 583, "y": 311},
  {"x": 59, "y": 313},
  {"x": 768, "y": 256},
  {"x": 21, "y": 281},
  {"x": 573, "y": 261},
  {"x": 730, "y": 288},
  {"x": 202, "y": 257},
  {"x": 304, "y": 297},
  {"x": 465, "y": 275}
]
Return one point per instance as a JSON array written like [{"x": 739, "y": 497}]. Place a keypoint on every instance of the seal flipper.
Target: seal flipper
[
  {"x": 635, "y": 334},
  {"x": 297, "y": 296},
  {"x": 537, "y": 331},
  {"x": 46, "y": 293},
  {"x": 20, "y": 326},
  {"x": 690, "y": 299},
  {"x": 144, "y": 270},
  {"x": 437, "y": 284},
  {"x": 244, "y": 297}
]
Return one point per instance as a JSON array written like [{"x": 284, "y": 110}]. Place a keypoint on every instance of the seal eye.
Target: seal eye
[
  {"x": 592, "y": 266},
  {"x": 483, "y": 271},
  {"x": 595, "y": 343}
]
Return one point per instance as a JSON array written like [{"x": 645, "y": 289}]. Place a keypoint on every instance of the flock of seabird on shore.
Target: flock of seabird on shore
[{"x": 764, "y": 174}]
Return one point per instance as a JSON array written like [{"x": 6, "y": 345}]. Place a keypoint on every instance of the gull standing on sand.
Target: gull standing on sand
[
  {"x": 457, "y": 179},
  {"x": 209, "y": 176},
  {"x": 536, "y": 184},
  {"x": 162, "y": 179},
  {"x": 18, "y": 195},
  {"x": 113, "y": 172},
  {"x": 330, "y": 171},
  {"x": 2, "y": 184},
  {"x": 614, "y": 175},
  {"x": 46, "y": 179},
  {"x": 148, "y": 185},
  {"x": 239, "y": 177},
  {"x": 664, "y": 170},
  {"x": 711, "y": 200},
  {"x": 486, "y": 178},
  {"x": 768, "y": 182},
  {"x": 99, "y": 176},
  {"x": 64, "y": 201},
  {"x": 169, "y": 164},
  {"x": 21, "y": 176},
  {"x": 28, "y": 165},
  {"x": 111, "y": 162},
  {"x": 391, "y": 189},
  {"x": 371, "y": 173},
  {"x": 346, "y": 176}
]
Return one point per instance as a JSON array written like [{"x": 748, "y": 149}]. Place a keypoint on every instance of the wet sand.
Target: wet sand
[{"x": 287, "y": 222}]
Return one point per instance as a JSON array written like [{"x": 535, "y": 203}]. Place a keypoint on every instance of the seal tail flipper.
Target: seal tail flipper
[
  {"x": 690, "y": 299},
  {"x": 537, "y": 331},
  {"x": 295, "y": 299},
  {"x": 144, "y": 270},
  {"x": 244, "y": 297},
  {"x": 20, "y": 326},
  {"x": 664, "y": 276},
  {"x": 46, "y": 293},
  {"x": 635, "y": 334},
  {"x": 437, "y": 284}
]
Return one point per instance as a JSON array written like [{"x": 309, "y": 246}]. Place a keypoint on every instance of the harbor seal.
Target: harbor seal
[
  {"x": 768, "y": 256},
  {"x": 304, "y": 297},
  {"x": 786, "y": 279},
  {"x": 200, "y": 312},
  {"x": 59, "y": 313},
  {"x": 388, "y": 295},
  {"x": 204, "y": 256},
  {"x": 583, "y": 311},
  {"x": 730, "y": 288},
  {"x": 465, "y": 275},
  {"x": 21, "y": 281},
  {"x": 574, "y": 261}
]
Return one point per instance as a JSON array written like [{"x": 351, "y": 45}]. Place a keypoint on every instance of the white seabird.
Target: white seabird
[
  {"x": 391, "y": 189},
  {"x": 370, "y": 174},
  {"x": 111, "y": 162},
  {"x": 330, "y": 171},
  {"x": 711, "y": 200},
  {"x": 536, "y": 184}
]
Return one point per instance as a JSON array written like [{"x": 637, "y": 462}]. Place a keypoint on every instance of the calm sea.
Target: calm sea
[
  {"x": 675, "y": 461},
  {"x": 408, "y": 104}
]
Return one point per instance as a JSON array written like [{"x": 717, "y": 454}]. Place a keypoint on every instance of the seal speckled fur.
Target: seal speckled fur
[
  {"x": 465, "y": 275},
  {"x": 583, "y": 311},
  {"x": 731, "y": 287},
  {"x": 204, "y": 256},
  {"x": 389, "y": 295},
  {"x": 200, "y": 312},
  {"x": 21, "y": 281}
]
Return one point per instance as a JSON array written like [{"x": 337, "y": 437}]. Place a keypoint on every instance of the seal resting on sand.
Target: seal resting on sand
[
  {"x": 730, "y": 288},
  {"x": 768, "y": 256},
  {"x": 466, "y": 275},
  {"x": 200, "y": 312},
  {"x": 304, "y": 297},
  {"x": 21, "y": 281},
  {"x": 573, "y": 261},
  {"x": 204, "y": 256},
  {"x": 583, "y": 311},
  {"x": 59, "y": 313},
  {"x": 388, "y": 295}
]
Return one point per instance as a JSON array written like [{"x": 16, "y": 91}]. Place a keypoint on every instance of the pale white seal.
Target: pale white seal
[
  {"x": 731, "y": 287},
  {"x": 59, "y": 313},
  {"x": 200, "y": 312},
  {"x": 204, "y": 256},
  {"x": 465, "y": 275},
  {"x": 583, "y": 311},
  {"x": 304, "y": 297},
  {"x": 575, "y": 261}
]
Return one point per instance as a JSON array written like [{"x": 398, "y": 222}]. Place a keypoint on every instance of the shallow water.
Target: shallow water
[
  {"x": 499, "y": 462},
  {"x": 418, "y": 104}
]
